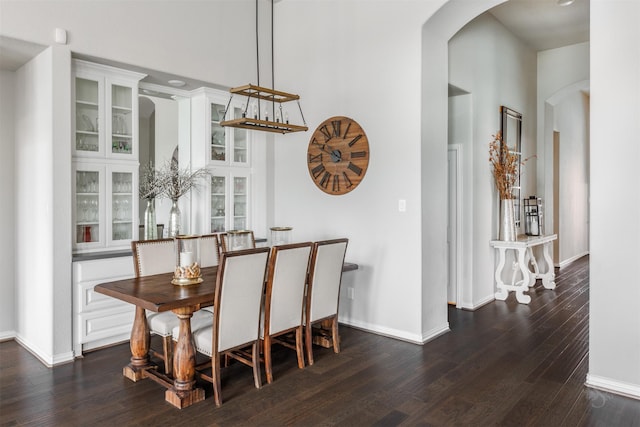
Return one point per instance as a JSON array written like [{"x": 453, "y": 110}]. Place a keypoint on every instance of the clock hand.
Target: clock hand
[{"x": 336, "y": 155}]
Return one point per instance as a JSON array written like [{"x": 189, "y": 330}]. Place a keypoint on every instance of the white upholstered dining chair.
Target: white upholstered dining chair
[
  {"x": 156, "y": 257},
  {"x": 209, "y": 255},
  {"x": 284, "y": 300},
  {"x": 323, "y": 291},
  {"x": 236, "y": 320},
  {"x": 209, "y": 250}
]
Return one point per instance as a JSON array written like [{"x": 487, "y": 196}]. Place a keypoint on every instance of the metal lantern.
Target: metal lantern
[
  {"x": 280, "y": 235},
  {"x": 187, "y": 250},
  {"x": 533, "y": 225}
]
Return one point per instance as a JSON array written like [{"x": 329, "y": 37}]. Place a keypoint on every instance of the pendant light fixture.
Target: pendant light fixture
[{"x": 270, "y": 117}]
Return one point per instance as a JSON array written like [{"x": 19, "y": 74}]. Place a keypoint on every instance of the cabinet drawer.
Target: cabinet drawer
[
  {"x": 105, "y": 323},
  {"x": 87, "y": 274}
]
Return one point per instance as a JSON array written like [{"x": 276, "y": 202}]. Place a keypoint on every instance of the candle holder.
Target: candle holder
[
  {"x": 187, "y": 251},
  {"x": 280, "y": 235}
]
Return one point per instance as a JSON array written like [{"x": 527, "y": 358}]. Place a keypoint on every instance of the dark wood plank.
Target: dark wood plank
[{"x": 504, "y": 364}]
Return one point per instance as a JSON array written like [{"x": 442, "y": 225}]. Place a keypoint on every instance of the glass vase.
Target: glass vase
[
  {"x": 150, "y": 228},
  {"x": 175, "y": 219}
]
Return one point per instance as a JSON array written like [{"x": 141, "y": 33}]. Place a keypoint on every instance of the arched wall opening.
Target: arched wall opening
[{"x": 436, "y": 32}]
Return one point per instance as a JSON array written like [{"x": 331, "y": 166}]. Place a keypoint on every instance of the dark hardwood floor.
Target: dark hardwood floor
[{"x": 504, "y": 364}]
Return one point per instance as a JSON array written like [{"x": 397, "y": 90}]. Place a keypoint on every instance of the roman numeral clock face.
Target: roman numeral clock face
[{"x": 338, "y": 155}]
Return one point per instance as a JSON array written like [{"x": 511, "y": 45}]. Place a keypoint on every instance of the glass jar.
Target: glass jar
[
  {"x": 281, "y": 235},
  {"x": 239, "y": 239}
]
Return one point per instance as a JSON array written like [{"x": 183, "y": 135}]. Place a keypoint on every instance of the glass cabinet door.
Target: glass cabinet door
[
  {"x": 218, "y": 203},
  {"x": 229, "y": 145},
  {"x": 87, "y": 102},
  {"x": 121, "y": 119},
  {"x": 218, "y": 138},
  {"x": 88, "y": 205},
  {"x": 240, "y": 206},
  {"x": 240, "y": 143},
  {"x": 122, "y": 206},
  {"x": 229, "y": 202}
]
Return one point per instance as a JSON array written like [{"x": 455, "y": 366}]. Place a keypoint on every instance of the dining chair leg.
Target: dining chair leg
[
  {"x": 334, "y": 334},
  {"x": 215, "y": 377},
  {"x": 267, "y": 358},
  {"x": 308, "y": 338},
  {"x": 167, "y": 347},
  {"x": 299, "y": 347},
  {"x": 255, "y": 353}
]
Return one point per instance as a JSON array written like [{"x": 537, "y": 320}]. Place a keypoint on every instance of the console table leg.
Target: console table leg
[
  {"x": 502, "y": 292},
  {"x": 524, "y": 285},
  {"x": 533, "y": 275},
  {"x": 548, "y": 278}
]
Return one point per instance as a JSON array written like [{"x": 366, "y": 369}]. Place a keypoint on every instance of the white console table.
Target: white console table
[{"x": 523, "y": 251}]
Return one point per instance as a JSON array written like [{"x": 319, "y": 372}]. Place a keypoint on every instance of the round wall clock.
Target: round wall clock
[{"x": 338, "y": 155}]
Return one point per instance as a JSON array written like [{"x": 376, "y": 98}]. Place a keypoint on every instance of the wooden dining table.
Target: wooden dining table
[{"x": 157, "y": 294}]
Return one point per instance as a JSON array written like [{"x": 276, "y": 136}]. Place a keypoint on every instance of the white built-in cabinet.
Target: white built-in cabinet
[
  {"x": 105, "y": 198},
  {"x": 105, "y": 163},
  {"x": 100, "y": 320},
  {"x": 106, "y": 205},
  {"x": 226, "y": 200}
]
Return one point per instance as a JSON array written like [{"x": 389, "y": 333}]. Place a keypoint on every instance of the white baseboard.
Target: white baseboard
[
  {"x": 613, "y": 386},
  {"x": 477, "y": 305},
  {"x": 47, "y": 359},
  {"x": 397, "y": 334},
  {"x": 566, "y": 262},
  {"x": 7, "y": 335}
]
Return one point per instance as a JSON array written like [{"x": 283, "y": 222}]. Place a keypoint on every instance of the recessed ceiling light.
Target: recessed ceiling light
[
  {"x": 565, "y": 2},
  {"x": 177, "y": 83}
]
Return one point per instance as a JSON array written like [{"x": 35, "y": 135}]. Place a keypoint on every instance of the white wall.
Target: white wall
[
  {"x": 486, "y": 60},
  {"x": 614, "y": 318},
  {"x": 43, "y": 205},
  {"x": 562, "y": 73},
  {"x": 7, "y": 214},
  {"x": 572, "y": 123},
  {"x": 374, "y": 79}
]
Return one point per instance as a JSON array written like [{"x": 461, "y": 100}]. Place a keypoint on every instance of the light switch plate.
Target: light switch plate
[{"x": 402, "y": 205}]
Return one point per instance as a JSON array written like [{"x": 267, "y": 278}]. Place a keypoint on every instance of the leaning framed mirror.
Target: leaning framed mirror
[{"x": 511, "y": 129}]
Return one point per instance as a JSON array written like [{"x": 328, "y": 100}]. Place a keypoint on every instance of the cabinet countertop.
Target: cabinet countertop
[{"x": 90, "y": 256}]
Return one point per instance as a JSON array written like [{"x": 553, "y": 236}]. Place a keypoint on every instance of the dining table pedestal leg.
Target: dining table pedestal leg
[
  {"x": 140, "y": 337},
  {"x": 184, "y": 393}
]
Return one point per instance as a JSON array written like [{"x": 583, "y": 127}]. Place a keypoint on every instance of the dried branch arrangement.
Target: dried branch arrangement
[
  {"x": 177, "y": 182},
  {"x": 150, "y": 183},
  {"x": 505, "y": 166}
]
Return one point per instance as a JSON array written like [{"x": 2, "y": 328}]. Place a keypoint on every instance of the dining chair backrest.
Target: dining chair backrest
[
  {"x": 238, "y": 299},
  {"x": 247, "y": 237},
  {"x": 153, "y": 256},
  {"x": 325, "y": 275},
  {"x": 286, "y": 282},
  {"x": 209, "y": 250}
]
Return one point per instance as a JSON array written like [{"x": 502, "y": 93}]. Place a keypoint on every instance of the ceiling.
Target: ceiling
[{"x": 541, "y": 24}]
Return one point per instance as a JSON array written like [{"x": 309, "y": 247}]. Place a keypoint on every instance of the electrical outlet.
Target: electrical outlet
[{"x": 350, "y": 293}]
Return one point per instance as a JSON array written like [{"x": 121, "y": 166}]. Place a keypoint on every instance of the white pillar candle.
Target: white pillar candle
[{"x": 186, "y": 259}]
